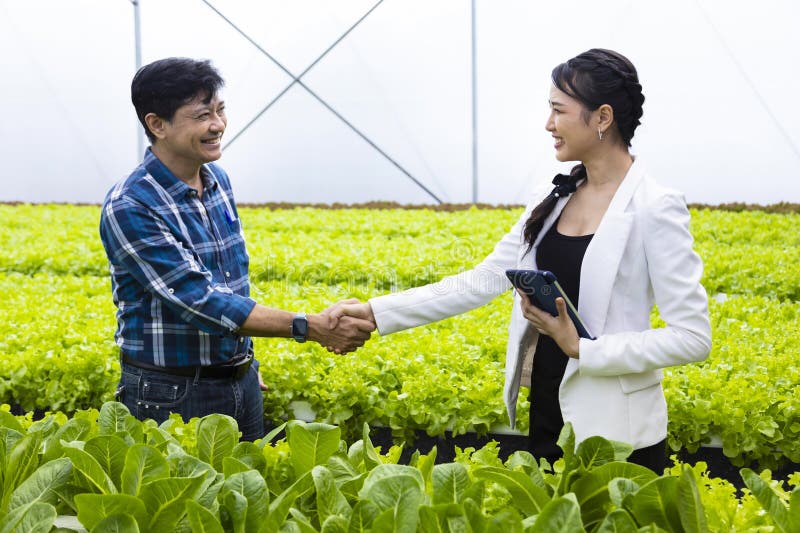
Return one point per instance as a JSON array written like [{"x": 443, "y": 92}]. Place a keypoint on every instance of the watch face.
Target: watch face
[{"x": 300, "y": 328}]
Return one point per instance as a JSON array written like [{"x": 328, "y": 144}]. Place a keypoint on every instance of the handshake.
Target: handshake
[{"x": 343, "y": 327}]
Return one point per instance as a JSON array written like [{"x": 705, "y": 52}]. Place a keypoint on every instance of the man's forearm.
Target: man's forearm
[{"x": 267, "y": 322}]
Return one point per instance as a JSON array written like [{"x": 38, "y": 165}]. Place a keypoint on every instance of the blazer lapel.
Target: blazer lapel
[
  {"x": 604, "y": 253},
  {"x": 601, "y": 261}
]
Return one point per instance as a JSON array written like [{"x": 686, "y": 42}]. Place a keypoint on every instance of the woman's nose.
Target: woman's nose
[{"x": 549, "y": 124}]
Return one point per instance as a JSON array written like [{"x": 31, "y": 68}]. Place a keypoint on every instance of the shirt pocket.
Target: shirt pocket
[{"x": 237, "y": 250}]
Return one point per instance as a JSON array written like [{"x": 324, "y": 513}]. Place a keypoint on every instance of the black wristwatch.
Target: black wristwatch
[{"x": 300, "y": 327}]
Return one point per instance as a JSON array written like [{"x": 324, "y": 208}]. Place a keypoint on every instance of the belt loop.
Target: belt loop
[{"x": 197, "y": 375}]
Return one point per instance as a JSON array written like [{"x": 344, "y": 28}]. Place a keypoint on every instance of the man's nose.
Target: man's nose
[{"x": 218, "y": 122}]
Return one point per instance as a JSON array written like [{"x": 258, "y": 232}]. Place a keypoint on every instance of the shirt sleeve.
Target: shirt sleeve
[
  {"x": 675, "y": 271},
  {"x": 139, "y": 243}
]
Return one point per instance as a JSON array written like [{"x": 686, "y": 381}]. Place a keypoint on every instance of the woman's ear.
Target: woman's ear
[
  {"x": 155, "y": 124},
  {"x": 605, "y": 117}
]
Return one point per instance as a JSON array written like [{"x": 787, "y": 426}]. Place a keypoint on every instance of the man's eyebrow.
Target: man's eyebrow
[{"x": 202, "y": 106}]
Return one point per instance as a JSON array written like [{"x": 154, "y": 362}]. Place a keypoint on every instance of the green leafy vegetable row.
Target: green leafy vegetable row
[
  {"x": 62, "y": 356},
  {"x": 746, "y": 393},
  {"x": 57, "y": 349},
  {"x": 114, "y": 473},
  {"x": 447, "y": 376},
  {"x": 747, "y": 253}
]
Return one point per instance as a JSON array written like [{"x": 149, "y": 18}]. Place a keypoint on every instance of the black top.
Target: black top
[{"x": 562, "y": 255}]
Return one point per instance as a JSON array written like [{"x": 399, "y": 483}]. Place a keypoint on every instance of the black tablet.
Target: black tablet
[{"x": 542, "y": 289}]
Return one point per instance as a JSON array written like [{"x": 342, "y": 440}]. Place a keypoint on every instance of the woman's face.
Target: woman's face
[{"x": 574, "y": 138}]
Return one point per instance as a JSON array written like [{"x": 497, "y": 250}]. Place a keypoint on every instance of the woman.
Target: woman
[{"x": 618, "y": 243}]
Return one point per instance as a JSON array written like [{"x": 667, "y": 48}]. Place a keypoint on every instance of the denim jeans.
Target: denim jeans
[{"x": 152, "y": 394}]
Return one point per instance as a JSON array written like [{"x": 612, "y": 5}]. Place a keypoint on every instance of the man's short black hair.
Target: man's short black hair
[{"x": 163, "y": 86}]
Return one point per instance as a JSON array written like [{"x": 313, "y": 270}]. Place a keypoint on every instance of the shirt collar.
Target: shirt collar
[{"x": 174, "y": 186}]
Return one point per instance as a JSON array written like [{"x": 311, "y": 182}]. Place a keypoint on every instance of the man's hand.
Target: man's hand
[
  {"x": 261, "y": 384},
  {"x": 345, "y": 312},
  {"x": 560, "y": 328},
  {"x": 338, "y": 332}
]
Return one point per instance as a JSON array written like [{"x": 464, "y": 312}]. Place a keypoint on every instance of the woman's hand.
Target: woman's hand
[{"x": 560, "y": 328}]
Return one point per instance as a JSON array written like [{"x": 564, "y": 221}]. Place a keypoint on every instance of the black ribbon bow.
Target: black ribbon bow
[{"x": 564, "y": 185}]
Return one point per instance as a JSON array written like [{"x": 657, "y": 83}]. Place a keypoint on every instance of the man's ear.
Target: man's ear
[
  {"x": 156, "y": 125},
  {"x": 605, "y": 117}
]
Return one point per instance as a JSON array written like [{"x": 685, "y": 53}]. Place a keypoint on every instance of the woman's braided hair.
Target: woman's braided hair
[
  {"x": 598, "y": 77},
  {"x": 594, "y": 78}
]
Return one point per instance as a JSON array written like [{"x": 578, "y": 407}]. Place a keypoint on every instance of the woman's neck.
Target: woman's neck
[{"x": 609, "y": 169}]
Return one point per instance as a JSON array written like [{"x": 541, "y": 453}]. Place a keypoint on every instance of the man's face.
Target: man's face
[{"x": 195, "y": 132}]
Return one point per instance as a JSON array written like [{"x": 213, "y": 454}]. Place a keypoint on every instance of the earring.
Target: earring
[{"x": 600, "y": 134}]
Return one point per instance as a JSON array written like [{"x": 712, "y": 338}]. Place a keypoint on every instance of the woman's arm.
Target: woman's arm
[{"x": 452, "y": 295}]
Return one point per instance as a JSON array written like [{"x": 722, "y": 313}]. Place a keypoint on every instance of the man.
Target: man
[{"x": 179, "y": 268}]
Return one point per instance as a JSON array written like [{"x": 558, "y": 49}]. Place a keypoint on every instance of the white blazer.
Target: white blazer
[{"x": 641, "y": 254}]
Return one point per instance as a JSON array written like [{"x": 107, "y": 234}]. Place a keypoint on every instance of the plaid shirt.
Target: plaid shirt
[{"x": 178, "y": 267}]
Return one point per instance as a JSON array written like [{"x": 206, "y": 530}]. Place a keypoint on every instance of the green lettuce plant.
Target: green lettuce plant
[{"x": 114, "y": 473}]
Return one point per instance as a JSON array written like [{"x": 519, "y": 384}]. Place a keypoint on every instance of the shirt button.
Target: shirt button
[
  {"x": 171, "y": 291},
  {"x": 227, "y": 274}
]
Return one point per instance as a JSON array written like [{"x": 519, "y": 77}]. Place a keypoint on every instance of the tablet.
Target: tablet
[{"x": 542, "y": 289}]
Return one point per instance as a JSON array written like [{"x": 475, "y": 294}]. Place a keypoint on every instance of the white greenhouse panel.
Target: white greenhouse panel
[{"x": 721, "y": 121}]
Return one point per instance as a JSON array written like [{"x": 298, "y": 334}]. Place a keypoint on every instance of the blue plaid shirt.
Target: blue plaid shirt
[{"x": 178, "y": 267}]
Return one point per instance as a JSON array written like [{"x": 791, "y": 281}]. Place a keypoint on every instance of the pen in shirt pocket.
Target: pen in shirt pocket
[{"x": 229, "y": 217}]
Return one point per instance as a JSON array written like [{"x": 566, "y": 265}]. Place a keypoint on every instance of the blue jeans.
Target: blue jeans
[{"x": 152, "y": 394}]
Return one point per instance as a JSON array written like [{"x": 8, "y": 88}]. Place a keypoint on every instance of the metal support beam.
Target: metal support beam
[
  {"x": 474, "y": 110},
  {"x": 137, "y": 37},
  {"x": 296, "y": 80}
]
